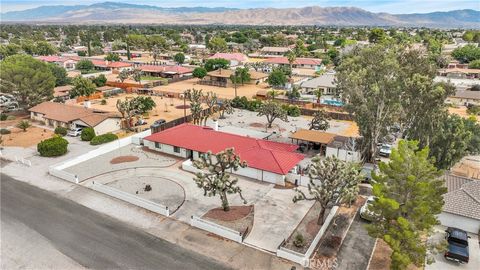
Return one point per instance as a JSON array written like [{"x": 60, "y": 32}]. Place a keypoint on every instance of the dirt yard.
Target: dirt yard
[
  {"x": 239, "y": 218},
  {"x": 31, "y": 137},
  {"x": 247, "y": 90},
  {"x": 461, "y": 111}
]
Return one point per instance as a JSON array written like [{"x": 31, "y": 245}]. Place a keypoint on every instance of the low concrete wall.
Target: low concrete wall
[
  {"x": 58, "y": 169},
  {"x": 138, "y": 201},
  {"x": 216, "y": 229},
  {"x": 304, "y": 259}
]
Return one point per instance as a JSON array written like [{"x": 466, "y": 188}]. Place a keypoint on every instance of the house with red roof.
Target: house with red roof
[
  {"x": 66, "y": 62},
  {"x": 110, "y": 65},
  {"x": 310, "y": 63},
  {"x": 234, "y": 58},
  {"x": 267, "y": 160},
  {"x": 166, "y": 71}
]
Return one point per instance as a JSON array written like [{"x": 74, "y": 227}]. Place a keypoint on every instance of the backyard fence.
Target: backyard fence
[
  {"x": 304, "y": 259},
  {"x": 130, "y": 198},
  {"x": 216, "y": 229}
]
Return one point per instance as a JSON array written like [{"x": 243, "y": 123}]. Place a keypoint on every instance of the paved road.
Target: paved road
[
  {"x": 89, "y": 238},
  {"x": 356, "y": 248}
]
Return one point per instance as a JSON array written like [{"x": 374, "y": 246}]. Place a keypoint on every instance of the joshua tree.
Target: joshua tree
[
  {"x": 212, "y": 102},
  {"x": 320, "y": 121},
  {"x": 217, "y": 180},
  {"x": 332, "y": 181},
  {"x": 123, "y": 75},
  {"x": 137, "y": 75},
  {"x": 272, "y": 110},
  {"x": 225, "y": 107},
  {"x": 195, "y": 98}
]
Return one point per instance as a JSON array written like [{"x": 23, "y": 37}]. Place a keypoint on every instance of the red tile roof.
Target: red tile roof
[
  {"x": 108, "y": 64},
  {"x": 240, "y": 57},
  {"x": 55, "y": 58},
  {"x": 264, "y": 155},
  {"x": 165, "y": 69},
  {"x": 298, "y": 61}
]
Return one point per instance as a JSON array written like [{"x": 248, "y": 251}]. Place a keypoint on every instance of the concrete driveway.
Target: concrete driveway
[
  {"x": 276, "y": 216},
  {"x": 442, "y": 263}
]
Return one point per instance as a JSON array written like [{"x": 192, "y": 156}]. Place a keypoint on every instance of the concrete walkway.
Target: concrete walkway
[{"x": 276, "y": 217}]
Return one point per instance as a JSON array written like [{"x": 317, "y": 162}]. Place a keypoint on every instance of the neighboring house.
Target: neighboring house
[
  {"x": 273, "y": 51},
  {"x": 267, "y": 161},
  {"x": 313, "y": 139},
  {"x": 311, "y": 63},
  {"x": 325, "y": 82},
  {"x": 464, "y": 97},
  {"x": 69, "y": 116},
  {"x": 462, "y": 204},
  {"x": 133, "y": 54},
  {"x": 460, "y": 84},
  {"x": 460, "y": 73},
  {"x": 221, "y": 77},
  {"x": 110, "y": 66},
  {"x": 344, "y": 148},
  {"x": 173, "y": 72},
  {"x": 67, "y": 63},
  {"x": 62, "y": 93},
  {"x": 109, "y": 90},
  {"x": 235, "y": 59}
]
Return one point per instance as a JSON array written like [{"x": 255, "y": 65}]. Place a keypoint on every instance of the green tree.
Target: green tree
[
  {"x": 377, "y": 35},
  {"x": 195, "y": 97},
  {"x": 179, "y": 58},
  {"x": 467, "y": 54},
  {"x": 143, "y": 104},
  {"x": 217, "y": 44},
  {"x": 450, "y": 142},
  {"x": 218, "y": 63},
  {"x": 217, "y": 179},
  {"x": 45, "y": 48},
  {"x": 199, "y": 72},
  {"x": 82, "y": 87},
  {"x": 85, "y": 65},
  {"x": 100, "y": 80},
  {"x": 32, "y": 79},
  {"x": 8, "y": 50},
  {"x": 331, "y": 180},
  {"x": 369, "y": 82},
  {"x": 475, "y": 64},
  {"x": 112, "y": 57},
  {"x": 409, "y": 197},
  {"x": 272, "y": 110},
  {"x": 277, "y": 78},
  {"x": 87, "y": 134},
  {"x": 61, "y": 76}
]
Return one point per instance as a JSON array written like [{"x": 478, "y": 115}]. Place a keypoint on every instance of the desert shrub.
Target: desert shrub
[
  {"x": 103, "y": 102},
  {"x": 292, "y": 110},
  {"x": 11, "y": 117},
  {"x": 61, "y": 131},
  {"x": 474, "y": 109},
  {"x": 52, "y": 147},
  {"x": 87, "y": 134},
  {"x": 253, "y": 105},
  {"x": 3, "y": 117},
  {"x": 240, "y": 102},
  {"x": 4, "y": 131},
  {"x": 148, "y": 188},
  {"x": 333, "y": 242},
  {"x": 299, "y": 240},
  {"x": 24, "y": 125},
  {"x": 105, "y": 138}
]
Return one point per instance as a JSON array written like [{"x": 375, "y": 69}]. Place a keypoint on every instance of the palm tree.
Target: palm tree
[
  {"x": 318, "y": 93},
  {"x": 291, "y": 57}
]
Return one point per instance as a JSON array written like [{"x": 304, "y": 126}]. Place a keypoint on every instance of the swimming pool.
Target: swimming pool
[{"x": 332, "y": 102}]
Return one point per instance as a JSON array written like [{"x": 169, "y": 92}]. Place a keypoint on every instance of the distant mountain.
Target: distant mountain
[{"x": 111, "y": 12}]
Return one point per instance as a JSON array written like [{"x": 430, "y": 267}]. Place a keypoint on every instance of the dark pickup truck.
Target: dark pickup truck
[{"x": 457, "y": 245}]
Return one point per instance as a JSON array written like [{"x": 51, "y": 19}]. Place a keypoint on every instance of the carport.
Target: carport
[{"x": 317, "y": 140}]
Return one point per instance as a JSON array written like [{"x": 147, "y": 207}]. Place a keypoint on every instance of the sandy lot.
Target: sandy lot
[
  {"x": 247, "y": 90},
  {"x": 461, "y": 111},
  {"x": 17, "y": 137}
]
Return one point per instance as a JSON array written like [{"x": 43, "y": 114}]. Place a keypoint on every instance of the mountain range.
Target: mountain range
[{"x": 123, "y": 13}]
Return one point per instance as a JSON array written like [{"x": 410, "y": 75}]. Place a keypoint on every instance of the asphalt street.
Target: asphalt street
[{"x": 89, "y": 238}]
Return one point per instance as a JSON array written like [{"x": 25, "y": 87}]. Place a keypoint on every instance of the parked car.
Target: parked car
[
  {"x": 385, "y": 150},
  {"x": 74, "y": 132},
  {"x": 457, "y": 245},
  {"x": 367, "y": 170},
  {"x": 365, "y": 213},
  {"x": 158, "y": 123}
]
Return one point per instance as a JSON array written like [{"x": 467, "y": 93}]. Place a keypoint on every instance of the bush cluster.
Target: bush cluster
[
  {"x": 52, "y": 147},
  {"x": 244, "y": 103},
  {"x": 61, "y": 131},
  {"x": 87, "y": 134},
  {"x": 105, "y": 138},
  {"x": 3, "y": 117},
  {"x": 292, "y": 110},
  {"x": 4, "y": 131}
]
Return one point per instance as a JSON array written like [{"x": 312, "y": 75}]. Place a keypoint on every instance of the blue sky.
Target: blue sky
[{"x": 390, "y": 6}]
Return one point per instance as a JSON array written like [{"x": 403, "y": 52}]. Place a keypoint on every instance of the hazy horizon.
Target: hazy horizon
[{"x": 389, "y": 6}]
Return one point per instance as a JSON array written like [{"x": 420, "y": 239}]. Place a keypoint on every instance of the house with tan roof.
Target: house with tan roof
[
  {"x": 235, "y": 59},
  {"x": 309, "y": 63},
  {"x": 55, "y": 114},
  {"x": 221, "y": 77}
]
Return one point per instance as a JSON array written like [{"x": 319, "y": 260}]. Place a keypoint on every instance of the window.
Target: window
[
  {"x": 157, "y": 145},
  {"x": 176, "y": 149}
]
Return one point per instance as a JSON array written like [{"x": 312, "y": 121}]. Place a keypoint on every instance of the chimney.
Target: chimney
[
  {"x": 215, "y": 124},
  {"x": 86, "y": 104}
]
